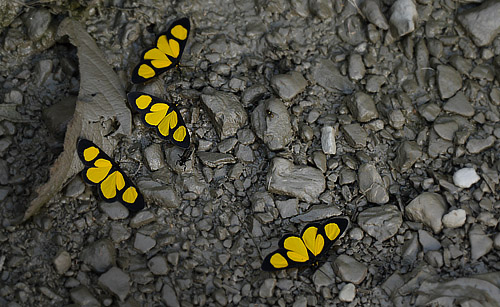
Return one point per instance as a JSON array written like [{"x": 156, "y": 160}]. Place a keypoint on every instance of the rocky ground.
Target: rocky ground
[{"x": 386, "y": 112}]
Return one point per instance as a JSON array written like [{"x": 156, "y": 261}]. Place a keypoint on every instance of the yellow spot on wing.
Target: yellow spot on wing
[
  {"x": 278, "y": 261},
  {"x": 169, "y": 122},
  {"x": 100, "y": 171},
  {"x": 180, "y": 134},
  {"x": 164, "y": 46},
  {"x": 158, "y": 58},
  {"x": 143, "y": 101},
  {"x": 90, "y": 153},
  {"x": 145, "y": 71},
  {"x": 313, "y": 241},
  {"x": 332, "y": 231},
  {"x": 297, "y": 250},
  {"x": 130, "y": 195},
  {"x": 111, "y": 184},
  {"x": 174, "y": 46},
  {"x": 179, "y": 32},
  {"x": 157, "y": 114}
]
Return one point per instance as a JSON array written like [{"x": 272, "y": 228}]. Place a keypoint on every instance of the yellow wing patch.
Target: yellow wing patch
[
  {"x": 165, "y": 54},
  {"x": 112, "y": 183}
]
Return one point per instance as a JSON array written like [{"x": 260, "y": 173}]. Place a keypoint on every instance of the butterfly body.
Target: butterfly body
[
  {"x": 112, "y": 183},
  {"x": 307, "y": 249},
  {"x": 166, "y": 53}
]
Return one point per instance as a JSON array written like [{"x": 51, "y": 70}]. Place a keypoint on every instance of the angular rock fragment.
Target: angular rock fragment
[
  {"x": 372, "y": 185},
  {"x": 449, "y": 81},
  {"x": 407, "y": 154},
  {"x": 404, "y": 15},
  {"x": 271, "y": 123},
  {"x": 459, "y": 104},
  {"x": 116, "y": 282},
  {"x": 288, "y": 85},
  {"x": 328, "y": 140},
  {"x": 350, "y": 270},
  {"x": 326, "y": 74},
  {"x": 381, "y": 222},
  {"x": 427, "y": 208},
  {"x": 482, "y": 22},
  {"x": 355, "y": 135},
  {"x": 362, "y": 107}
]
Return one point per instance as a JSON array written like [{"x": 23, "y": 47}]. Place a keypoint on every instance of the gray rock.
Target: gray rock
[
  {"x": 252, "y": 94},
  {"x": 465, "y": 177},
  {"x": 410, "y": 250},
  {"x": 446, "y": 129},
  {"x": 328, "y": 140},
  {"x": 350, "y": 270},
  {"x": 168, "y": 296},
  {"x": 288, "y": 207},
  {"x": 4, "y": 172},
  {"x": 300, "y": 7},
  {"x": 154, "y": 157},
  {"x": 449, "y": 81},
  {"x": 173, "y": 156},
  {"x": 483, "y": 72},
  {"x": 245, "y": 136},
  {"x": 75, "y": 187},
  {"x": 381, "y": 222},
  {"x": 428, "y": 242},
  {"x": 142, "y": 218},
  {"x": 267, "y": 288},
  {"x": 82, "y": 297},
  {"x": 326, "y": 74},
  {"x": 481, "y": 22},
  {"x": 244, "y": 153},
  {"x": 404, "y": 15},
  {"x": 288, "y": 85},
  {"x": 475, "y": 146},
  {"x": 455, "y": 218},
  {"x": 271, "y": 123},
  {"x": 215, "y": 159},
  {"x": 374, "y": 83},
  {"x": 319, "y": 159},
  {"x": 115, "y": 210},
  {"x": 141, "y": 276},
  {"x": 480, "y": 243},
  {"x": 437, "y": 145},
  {"x": 429, "y": 111},
  {"x": 119, "y": 233},
  {"x": 163, "y": 195},
  {"x": 372, "y": 185},
  {"x": 348, "y": 293},
  {"x": 144, "y": 243},
  {"x": 227, "y": 145},
  {"x": 372, "y": 12},
  {"x": 427, "y": 208},
  {"x": 324, "y": 276},
  {"x": 158, "y": 265},
  {"x": 317, "y": 212},
  {"x": 347, "y": 176},
  {"x": 57, "y": 116},
  {"x": 5, "y": 143},
  {"x": 43, "y": 70},
  {"x": 355, "y": 135},
  {"x": 362, "y": 107},
  {"x": 4, "y": 192},
  {"x": 434, "y": 258},
  {"x": 226, "y": 112},
  {"x": 62, "y": 262},
  {"x": 116, "y": 282},
  {"x": 397, "y": 119},
  {"x": 303, "y": 182},
  {"x": 460, "y": 105},
  {"x": 100, "y": 255},
  {"x": 37, "y": 23},
  {"x": 356, "y": 66},
  {"x": 496, "y": 241},
  {"x": 321, "y": 8},
  {"x": 407, "y": 154},
  {"x": 220, "y": 297}
]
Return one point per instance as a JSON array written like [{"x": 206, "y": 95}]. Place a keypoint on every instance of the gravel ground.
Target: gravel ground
[{"x": 386, "y": 112}]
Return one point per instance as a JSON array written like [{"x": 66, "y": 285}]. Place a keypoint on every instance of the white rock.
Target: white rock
[
  {"x": 465, "y": 177},
  {"x": 347, "y": 293},
  {"x": 455, "y": 218},
  {"x": 328, "y": 140}
]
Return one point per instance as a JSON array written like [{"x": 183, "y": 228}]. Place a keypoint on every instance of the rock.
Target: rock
[
  {"x": 271, "y": 123},
  {"x": 449, "y": 81},
  {"x": 100, "y": 255},
  {"x": 37, "y": 23},
  {"x": 404, "y": 15},
  {"x": 381, "y": 222},
  {"x": 460, "y": 105},
  {"x": 163, "y": 195},
  {"x": 57, "y": 116},
  {"x": 168, "y": 296},
  {"x": 303, "y": 182},
  {"x": 75, "y": 187},
  {"x": 480, "y": 243},
  {"x": 319, "y": 159},
  {"x": 328, "y": 140},
  {"x": 428, "y": 242},
  {"x": 348, "y": 293},
  {"x": 326, "y": 74},
  {"x": 475, "y": 146},
  {"x": 154, "y": 157},
  {"x": 115, "y": 210},
  {"x": 144, "y": 243},
  {"x": 321, "y": 8},
  {"x": 324, "y": 276},
  {"x": 454, "y": 219},
  {"x": 142, "y": 218},
  {"x": 397, "y": 119},
  {"x": 372, "y": 12},
  {"x": 317, "y": 212},
  {"x": 465, "y": 177},
  {"x": 43, "y": 70},
  {"x": 215, "y": 159},
  {"x": 434, "y": 258},
  {"x": 350, "y": 270},
  {"x": 372, "y": 185},
  {"x": 446, "y": 129},
  {"x": 225, "y": 111},
  {"x": 356, "y": 68},
  {"x": 429, "y": 111},
  {"x": 267, "y": 288},
  {"x": 362, "y": 107},
  {"x": 253, "y": 94},
  {"x": 62, "y": 262},
  {"x": 4, "y": 173},
  {"x": 496, "y": 241},
  {"x": 119, "y": 233},
  {"x": 158, "y": 265},
  {"x": 288, "y": 207},
  {"x": 82, "y": 297},
  {"x": 427, "y": 208},
  {"x": 407, "y": 154},
  {"x": 410, "y": 250},
  {"x": 288, "y": 85},
  {"x": 355, "y": 135},
  {"x": 437, "y": 145},
  {"x": 116, "y": 282},
  {"x": 481, "y": 22}
]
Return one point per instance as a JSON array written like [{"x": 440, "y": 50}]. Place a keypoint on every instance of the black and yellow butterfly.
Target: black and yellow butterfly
[
  {"x": 165, "y": 55},
  {"x": 161, "y": 115},
  {"x": 306, "y": 250},
  {"x": 112, "y": 183}
]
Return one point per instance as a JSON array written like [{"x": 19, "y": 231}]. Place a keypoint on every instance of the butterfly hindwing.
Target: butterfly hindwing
[
  {"x": 161, "y": 115},
  {"x": 305, "y": 250},
  {"x": 112, "y": 183},
  {"x": 166, "y": 53}
]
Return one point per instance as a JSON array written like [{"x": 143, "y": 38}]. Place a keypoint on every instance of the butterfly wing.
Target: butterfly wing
[
  {"x": 166, "y": 53},
  {"x": 161, "y": 115},
  {"x": 112, "y": 183},
  {"x": 291, "y": 253}
]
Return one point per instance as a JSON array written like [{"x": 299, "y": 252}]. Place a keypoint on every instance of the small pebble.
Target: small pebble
[{"x": 465, "y": 177}]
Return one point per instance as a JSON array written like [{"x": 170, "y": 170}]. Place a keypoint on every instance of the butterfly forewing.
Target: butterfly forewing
[
  {"x": 161, "y": 115},
  {"x": 165, "y": 54},
  {"x": 112, "y": 183}
]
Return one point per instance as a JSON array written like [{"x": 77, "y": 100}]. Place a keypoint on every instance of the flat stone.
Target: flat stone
[
  {"x": 323, "y": 9},
  {"x": 428, "y": 242},
  {"x": 362, "y": 106},
  {"x": 356, "y": 68},
  {"x": 37, "y": 23},
  {"x": 480, "y": 243},
  {"x": 449, "y": 81},
  {"x": 267, "y": 288},
  {"x": 372, "y": 185},
  {"x": 317, "y": 212},
  {"x": 404, "y": 15},
  {"x": 116, "y": 282},
  {"x": 475, "y": 146},
  {"x": 465, "y": 177},
  {"x": 328, "y": 143},
  {"x": 244, "y": 153},
  {"x": 168, "y": 296},
  {"x": 427, "y": 208},
  {"x": 62, "y": 262},
  {"x": 4, "y": 172},
  {"x": 144, "y": 243},
  {"x": 372, "y": 12},
  {"x": 348, "y": 293},
  {"x": 397, "y": 119},
  {"x": 142, "y": 218},
  {"x": 288, "y": 208},
  {"x": 446, "y": 129},
  {"x": 302, "y": 182},
  {"x": 459, "y": 104},
  {"x": 407, "y": 154},
  {"x": 326, "y": 74},
  {"x": 429, "y": 111},
  {"x": 215, "y": 159},
  {"x": 75, "y": 187},
  {"x": 119, "y": 233},
  {"x": 115, "y": 210},
  {"x": 437, "y": 145},
  {"x": 271, "y": 123},
  {"x": 324, "y": 276},
  {"x": 154, "y": 157},
  {"x": 158, "y": 265},
  {"x": 100, "y": 255},
  {"x": 381, "y": 222},
  {"x": 288, "y": 85},
  {"x": 434, "y": 258},
  {"x": 82, "y": 297},
  {"x": 355, "y": 135},
  {"x": 455, "y": 218},
  {"x": 163, "y": 195},
  {"x": 350, "y": 270},
  {"x": 482, "y": 22}
]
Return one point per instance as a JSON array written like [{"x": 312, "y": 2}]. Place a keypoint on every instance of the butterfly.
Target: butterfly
[
  {"x": 161, "y": 115},
  {"x": 112, "y": 183},
  {"x": 165, "y": 55},
  {"x": 306, "y": 249}
]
